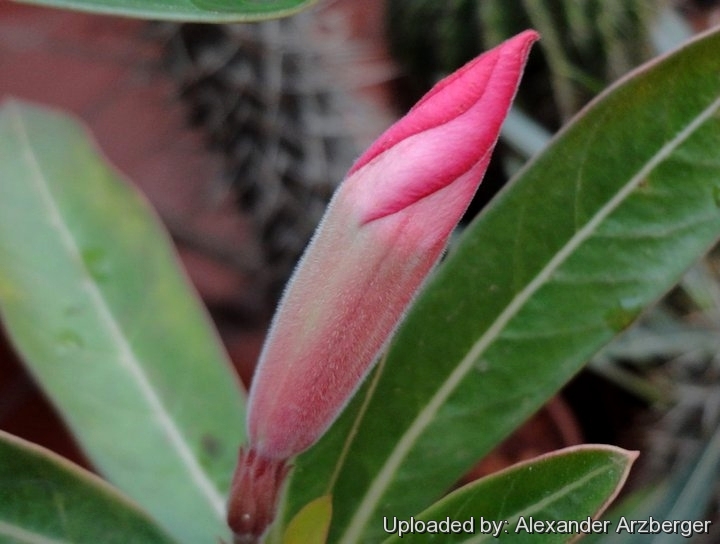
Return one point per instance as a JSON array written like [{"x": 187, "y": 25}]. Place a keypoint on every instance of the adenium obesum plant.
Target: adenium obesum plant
[{"x": 385, "y": 228}]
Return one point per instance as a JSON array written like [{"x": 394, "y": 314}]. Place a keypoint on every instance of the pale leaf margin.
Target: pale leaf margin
[{"x": 615, "y": 454}]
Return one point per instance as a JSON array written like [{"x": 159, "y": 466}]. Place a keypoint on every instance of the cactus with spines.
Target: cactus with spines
[{"x": 264, "y": 97}]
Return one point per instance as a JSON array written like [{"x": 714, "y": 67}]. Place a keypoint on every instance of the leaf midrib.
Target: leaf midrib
[
  {"x": 126, "y": 355},
  {"x": 425, "y": 417}
]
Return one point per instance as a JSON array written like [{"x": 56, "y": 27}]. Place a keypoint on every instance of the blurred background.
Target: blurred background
[{"x": 238, "y": 135}]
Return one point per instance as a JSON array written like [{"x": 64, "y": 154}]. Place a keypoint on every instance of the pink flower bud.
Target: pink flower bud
[{"x": 385, "y": 228}]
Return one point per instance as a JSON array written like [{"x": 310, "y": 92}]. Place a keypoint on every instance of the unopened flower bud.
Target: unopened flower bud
[{"x": 385, "y": 228}]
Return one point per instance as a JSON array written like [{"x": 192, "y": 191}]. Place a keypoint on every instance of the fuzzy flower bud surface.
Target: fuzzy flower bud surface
[{"x": 385, "y": 228}]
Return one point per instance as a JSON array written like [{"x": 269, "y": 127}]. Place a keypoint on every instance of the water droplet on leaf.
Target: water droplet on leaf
[
  {"x": 95, "y": 260},
  {"x": 68, "y": 340}
]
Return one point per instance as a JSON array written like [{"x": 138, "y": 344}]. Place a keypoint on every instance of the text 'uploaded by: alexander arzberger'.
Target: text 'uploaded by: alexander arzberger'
[{"x": 532, "y": 525}]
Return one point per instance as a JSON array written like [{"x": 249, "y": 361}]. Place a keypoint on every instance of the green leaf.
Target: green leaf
[
  {"x": 575, "y": 484},
  {"x": 45, "y": 499},
  {"x": 592, "y": 231},
  {"x": 311, "y": 524},
  {"x": 93, "y": 298},
  {"x": 207, "y": 11}
]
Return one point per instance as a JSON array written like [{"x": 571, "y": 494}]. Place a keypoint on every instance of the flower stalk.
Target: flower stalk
[{"x": 385, "y": 228}]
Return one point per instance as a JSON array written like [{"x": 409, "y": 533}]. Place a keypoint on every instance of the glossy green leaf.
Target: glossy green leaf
[
  {"x": 44, "y": 499},
  {"x": 592, "y": 231},
  {"x": 311, "y": 524},
  {"x": 207, "y": 11},
  {"x": 93, "y": 298},
  {"x": 575, "y": 484}
]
